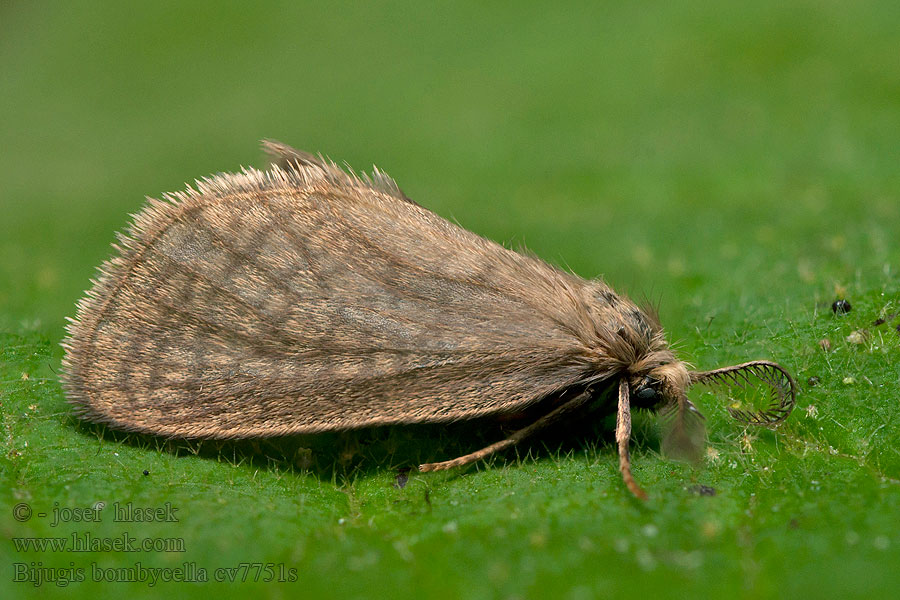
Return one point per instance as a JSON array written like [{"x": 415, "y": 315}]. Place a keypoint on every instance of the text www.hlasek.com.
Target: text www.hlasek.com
[
  {"x": 37, "y": 574},
  {"x": 85, "y": 542}
]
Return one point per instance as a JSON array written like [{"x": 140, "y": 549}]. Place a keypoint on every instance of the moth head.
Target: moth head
[{"x": 660, "y": 385}]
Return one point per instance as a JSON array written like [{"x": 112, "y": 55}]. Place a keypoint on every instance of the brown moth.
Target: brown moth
[{"x": 304, "y": 299}]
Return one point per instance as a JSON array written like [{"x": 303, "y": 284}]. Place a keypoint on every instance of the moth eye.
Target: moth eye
[
  {"x": 647, "y": 390},
  {"x": 646, "y": 393}
]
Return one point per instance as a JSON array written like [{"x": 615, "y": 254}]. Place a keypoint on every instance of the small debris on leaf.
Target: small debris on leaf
[
  {"x": 813, "y": 381},
  {"x": 402, "y": 478},
  {"x": 841, "y": 307},
  {"x": 858, "y": 337},
  {"x": 825, "y": 344},
  {"x": 703, "y": 490}
]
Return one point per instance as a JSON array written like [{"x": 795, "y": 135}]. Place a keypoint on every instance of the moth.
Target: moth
[{"x": 303, "y": 298}]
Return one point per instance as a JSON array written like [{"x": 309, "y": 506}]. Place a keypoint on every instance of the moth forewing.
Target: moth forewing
[
  {"x": 307, "y": 299},
  {"x": 303, "y": 299}
]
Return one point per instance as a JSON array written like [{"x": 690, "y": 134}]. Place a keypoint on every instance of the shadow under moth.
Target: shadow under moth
[{"x": 304, "y": 298}]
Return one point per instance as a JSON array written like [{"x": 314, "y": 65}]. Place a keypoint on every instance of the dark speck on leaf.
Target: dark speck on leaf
[
  {"x": 402, "y": 478},
  {"x": 813, "y": 381},
  {"x": 703, "y": 490},
  {"x": 146, "y": 472},
  {"x": 841, "y": 307},
  {"x": 883, "y": 320},
  {"x": 793, "y": 524}
]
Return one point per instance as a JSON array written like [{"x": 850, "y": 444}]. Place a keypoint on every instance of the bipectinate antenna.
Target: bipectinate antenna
[{"x": 751, "y": 380}]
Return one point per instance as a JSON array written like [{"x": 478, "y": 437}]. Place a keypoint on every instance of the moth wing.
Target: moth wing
[{"x": 301, "y": 300}]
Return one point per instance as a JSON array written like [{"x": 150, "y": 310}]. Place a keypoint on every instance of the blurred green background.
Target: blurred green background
[{"x": 736, "y": 163}]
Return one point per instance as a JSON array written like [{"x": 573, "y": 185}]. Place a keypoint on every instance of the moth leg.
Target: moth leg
[
  {"x": 623, "y": 435},
  {"x": 553, "y": 416}
]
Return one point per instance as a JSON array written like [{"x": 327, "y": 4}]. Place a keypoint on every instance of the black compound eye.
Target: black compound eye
[
  {"x": 646, "y": 393},
  {"x": 648, "y": 390}
]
